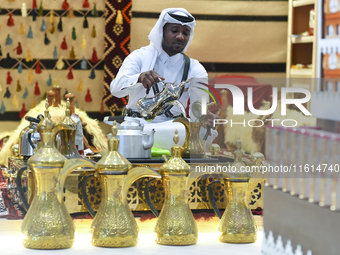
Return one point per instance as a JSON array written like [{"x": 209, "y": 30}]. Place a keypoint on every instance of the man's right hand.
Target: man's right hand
[{"x": 149, "y": 78}]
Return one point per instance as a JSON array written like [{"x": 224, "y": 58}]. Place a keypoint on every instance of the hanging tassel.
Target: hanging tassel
[
  {"x": 43, "y": 26},
  {"x": 74, "y": 35},
  {"x": 9, "y": 40},
  {"x": 60, "y": 25},
  {"x": 70, "y": 13},
  {"x": 41, "y": 9},
  {"x": 94, "y": 11},
  {"x": 20, "y": 67},
  {"x": 85, "y": 23},
  {"x": 83, "y": 43},
  {"x": 3, "y": 108},
  {"x": 18, "y": 48},
  {"x": 9, "y": 78},
  {"x": 30, "y": 33},
  {"x": 15, "y": 101},
  {"x": 51, "y": 30},
  {"x": 37, "y": 67},
  {"x": 52, "y": 17},
  {"x": 44, "y": 96},
  {"x": 24, "y": 96},
  {"x": 23, "y": 111},
  {"x": 55, "y": 53},
  {"x": 72, "y": 54},
  {"x": 23, "y": 10},
  {"x": 18, "y": 88},
  {"x": 86, "y": 4},
  {"x": 33, "y": 104},
  {"x": 65, "y": 5},
  {"x": 54, "y": 82},
  {"x": 0, "y": 51},
  {"x": 7, "y": 94},
  {"x": 70, "y": 74},
  {"x": 80, "y": 85},
  {"x": 102, "y": 108},
  {"x": 29, "y": 56},
  {"x": 94, "y": 34},
  {"x": 64, "y": 44},
  {"x": 92, "y": 75},
  {"x": 46, "y": 40},
  {"x": 83, "y": 64},
  {"x": 10, "y": 21},
  {"x": 119, "y": 18},
  {"x": 34, "y": 15},
  {"x": 94, "y": 58},
  {"x": 60, "y": 63},
  {"x": 88, "y": 97},
  {"x": 21, "y": 29},
  {"x": 76, "y": 103},
  {"x": 49, "y": 81},
  {"x": 30, "y": 76},
  {"x": 36, "y": 89},
  {"x": 34, "y": 4}
]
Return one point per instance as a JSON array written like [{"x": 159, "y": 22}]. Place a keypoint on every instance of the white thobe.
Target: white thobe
[{"x": 171, "y": 68}]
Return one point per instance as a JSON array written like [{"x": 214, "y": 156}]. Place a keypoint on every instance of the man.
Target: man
[{"x": 163, "y": 59}]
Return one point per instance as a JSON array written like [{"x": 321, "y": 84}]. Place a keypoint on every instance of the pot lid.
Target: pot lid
[
  {"x": 131, "y": 124},
  {"x": 113, "y": 162}
]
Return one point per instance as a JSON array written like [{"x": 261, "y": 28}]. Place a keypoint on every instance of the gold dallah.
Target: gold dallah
[
  {"x": 114, "y": 224},
  {"x": 47, "y": 224}
]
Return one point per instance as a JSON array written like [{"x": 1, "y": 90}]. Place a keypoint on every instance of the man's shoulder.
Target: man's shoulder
[{"x": 197, "y": 68}]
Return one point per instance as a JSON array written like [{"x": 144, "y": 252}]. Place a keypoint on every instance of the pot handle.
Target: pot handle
[
  {"x": 212, "y": 198},
  {"x": 20, "y": 189},
  {"x": 85, "y": 197},
  {"x": 147, "y": 197},
  {"x": 30, "y": 140}
]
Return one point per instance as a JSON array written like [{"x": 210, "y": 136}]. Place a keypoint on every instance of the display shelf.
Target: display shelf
[
  {"x": 301, "y": 50},
  {"x": 298, "y": 3},
  {"x": 303, "y": 39},
  {"x": 295, "y": 73}
]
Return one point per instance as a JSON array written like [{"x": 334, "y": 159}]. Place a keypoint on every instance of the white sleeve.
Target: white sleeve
[
  {"x": 196, "y": 92},
  {"x": 127, "y": 76}
]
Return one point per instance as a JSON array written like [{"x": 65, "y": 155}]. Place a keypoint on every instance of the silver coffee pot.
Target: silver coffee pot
[
  {"x": 134, "y": 141},
  {"x": 29, "y": 137}
]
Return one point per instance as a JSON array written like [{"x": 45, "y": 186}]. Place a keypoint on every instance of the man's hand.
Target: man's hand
[
  {"x": 208, "y": 120},
  {"x": 149, "y": 78}
]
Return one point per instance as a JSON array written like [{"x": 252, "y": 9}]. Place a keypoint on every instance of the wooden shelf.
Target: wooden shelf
[
  {"x": 297, "y": 3},
  {"x": 301, "y": 72},
  {"x": 303, "y": 39}
]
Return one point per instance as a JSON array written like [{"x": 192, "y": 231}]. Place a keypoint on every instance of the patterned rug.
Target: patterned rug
[{"x": 117, "y": 47}]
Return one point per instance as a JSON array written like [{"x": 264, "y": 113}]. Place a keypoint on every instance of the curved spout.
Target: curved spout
[
  {"x": 69, "y": 166},
  {"x": 149, "y": 144}
]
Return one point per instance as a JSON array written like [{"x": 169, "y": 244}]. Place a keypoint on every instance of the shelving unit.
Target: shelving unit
[{"x": 301, "y": 48}]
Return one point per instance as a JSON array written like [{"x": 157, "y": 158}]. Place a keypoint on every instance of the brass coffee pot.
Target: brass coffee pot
[
  {"x": 47, "y": 224},
  {"x": 176, "y": 224},
  {"x": 114, "y": 224},
  {"x": 237, "y": 225},
  {"x": 66, "y": 138},
  {"x": 192, "y": 146}
]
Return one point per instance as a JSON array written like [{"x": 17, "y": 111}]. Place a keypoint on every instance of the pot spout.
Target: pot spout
[{"x": 149, "y": 144}]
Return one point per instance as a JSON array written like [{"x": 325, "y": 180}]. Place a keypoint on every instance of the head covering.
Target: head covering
[
  {"x": 154, "y": 49},
  {"x": 171, "y": 15}
]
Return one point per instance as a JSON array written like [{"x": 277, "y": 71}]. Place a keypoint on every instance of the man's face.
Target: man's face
[{"x": 175, "y": 38}]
